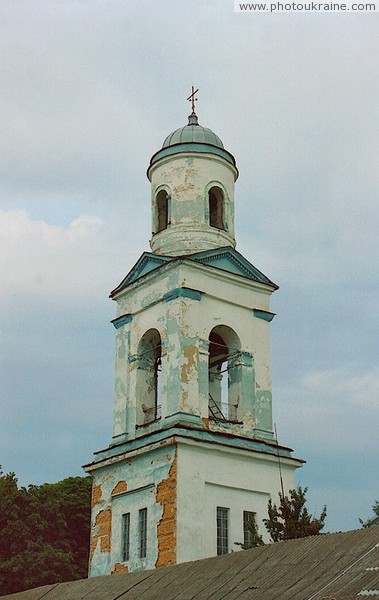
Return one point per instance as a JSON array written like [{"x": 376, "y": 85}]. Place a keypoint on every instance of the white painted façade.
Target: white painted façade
[{"x": 193, "y": 455}]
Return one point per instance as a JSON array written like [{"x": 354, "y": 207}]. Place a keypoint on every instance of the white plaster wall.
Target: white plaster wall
[
  {"x": 132, "y": 502},
  {"x": 210, "y": 476},
  {"x": 188, "y": 179},
  {"x": 184, "y": 325},
  {"x": 140, "y": 473},
  {"x": 220, "y": 284}
]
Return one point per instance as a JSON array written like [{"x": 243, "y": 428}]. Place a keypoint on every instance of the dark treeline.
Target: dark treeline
[{"x": 44, "y": 532}]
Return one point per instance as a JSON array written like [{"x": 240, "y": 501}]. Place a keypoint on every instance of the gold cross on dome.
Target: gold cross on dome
[{"x": 191, "y": 98}]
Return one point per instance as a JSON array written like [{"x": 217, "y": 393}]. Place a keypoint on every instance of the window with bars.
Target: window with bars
[
  {"x": 125, "y": 537},
  {"x": 222, "y": 530},
  {"x": 142, "y": 532},
  {"x": 248, "y": 523}
]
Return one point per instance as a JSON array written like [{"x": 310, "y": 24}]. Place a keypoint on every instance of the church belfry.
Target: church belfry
[
  {"x": 193, "y": 454},
  {"x": 192, "y": 183}
]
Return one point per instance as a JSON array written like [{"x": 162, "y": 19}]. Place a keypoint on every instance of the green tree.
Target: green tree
[
  {"x": 375, "y": 508},
  {"x": 44, "y": 532},
  {"x": 290, "y": 519},
  {"x": 255, "y": 538},
  {"x": 14, "y": 505}
]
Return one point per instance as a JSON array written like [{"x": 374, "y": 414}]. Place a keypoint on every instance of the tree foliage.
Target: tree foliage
[
  {"x": 368, "y": 522},
  {"x": 44, "y": 532},
  {"x": 290, "y": 519},
  {"x": 255, "y": 538}
]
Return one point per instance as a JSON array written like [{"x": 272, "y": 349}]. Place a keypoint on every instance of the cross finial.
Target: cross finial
[{"x": 191, "y": 98}]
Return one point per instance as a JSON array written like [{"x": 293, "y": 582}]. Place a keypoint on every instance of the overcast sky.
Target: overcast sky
[{"x": 89, "y": 91}]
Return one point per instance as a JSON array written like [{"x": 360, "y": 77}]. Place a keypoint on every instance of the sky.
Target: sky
[{"x": 90, "y": 89}]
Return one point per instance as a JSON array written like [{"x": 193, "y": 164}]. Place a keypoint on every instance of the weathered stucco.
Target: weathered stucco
[
  {"x": 166, "y": 531},
  {"x": 189, "y": 366},
  {"x": 184, "y": 324},
  {"x": 96, "y": 494},
  {"x": 120, "y": 568},
  {"x": 188, "y": 183},
  {"x": 120, "y": 488},
  {"x": 141, "y": 480},
  {"x": 101, "y": 534}
]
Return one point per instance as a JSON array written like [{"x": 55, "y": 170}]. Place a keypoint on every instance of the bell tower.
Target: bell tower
[
  {"x": 193, "y": 455},
  {"x": 192, "y": 180}
]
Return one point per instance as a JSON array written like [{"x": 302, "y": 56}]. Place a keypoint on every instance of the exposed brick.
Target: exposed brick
[
  {"x": 120, "y": 568},
  {"x": 120, "y": 488},
  {"x": 166, "y": 495},
  {"x": 96, "y": 494},
  {"x": 102, "y": 531}
]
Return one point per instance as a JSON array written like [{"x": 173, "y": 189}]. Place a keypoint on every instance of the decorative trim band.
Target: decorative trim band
[
  {"x": 263, "y": 314},
  {"x": 182, "y": 293},
  {"x": 143, "y": 488},
  {"x": 123, "y": 320}
]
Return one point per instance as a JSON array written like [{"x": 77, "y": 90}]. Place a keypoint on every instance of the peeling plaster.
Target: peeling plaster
[
  {"x": 166, "y": 530},
  {"x": 191, "y": 354},
  {"x": 96, "y": 494},
  {"x": 188, "y": 178},
  {"x": 102, "y": 532},
  {"x": 119, "y": 568},
  {"x": 120, "y": 488}
]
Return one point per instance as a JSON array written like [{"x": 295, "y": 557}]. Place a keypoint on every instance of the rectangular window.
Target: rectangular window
[
  {"x": 142, "y": 532},
  {"x": 248, "y": 520},
  {"x": 222, "y": 530},
  {"x": 125, "y": 537}
]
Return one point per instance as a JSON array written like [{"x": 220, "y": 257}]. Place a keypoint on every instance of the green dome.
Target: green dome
[
  {"x": 193, "y": 133},
  {"x": 192, "y": 138}
]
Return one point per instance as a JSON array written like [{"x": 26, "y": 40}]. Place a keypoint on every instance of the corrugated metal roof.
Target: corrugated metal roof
[{"x": 340, "y": 566}]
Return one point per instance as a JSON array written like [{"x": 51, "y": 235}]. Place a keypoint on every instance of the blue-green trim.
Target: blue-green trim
[
  {"x": 146, "y": 263},
  {"x": 228, "y": 259},
  {"x": 184, "y": 419},
  {"x": 225, "y": 258},
  {"x": 263, "y": 314},
  {"x": 182, "y": 293},
  {"x": 123, "y": 320},
  {"x": 247, "y": 359},
  {"x": 196, "y": 433},
  {"x": 192, "y": 147}
]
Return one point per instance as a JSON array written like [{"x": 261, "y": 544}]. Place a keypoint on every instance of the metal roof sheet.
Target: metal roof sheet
[{"x": 339, "y": 566}]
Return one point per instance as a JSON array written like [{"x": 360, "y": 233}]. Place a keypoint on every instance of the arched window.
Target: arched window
[
  {"x": 224, "y": 373},
  {"x": 216, "y": 208},
  {"x": 148, "y": 377},
  {"x": 161, "y": 211}
]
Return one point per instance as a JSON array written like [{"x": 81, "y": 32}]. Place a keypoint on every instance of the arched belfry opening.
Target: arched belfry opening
[
  {"x": 161, "y": 211},
  {"x": 216, "y": 202},
  {"x": 149, "y": 377},
  {"x": 224, "y": 374}
]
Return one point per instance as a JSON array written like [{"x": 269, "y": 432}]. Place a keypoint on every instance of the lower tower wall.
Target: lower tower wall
[{"x": 120, "y": 540}]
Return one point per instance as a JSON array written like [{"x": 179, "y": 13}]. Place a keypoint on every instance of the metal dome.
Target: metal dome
[
  {"x": 189, "y": 139},
  {"x": 192, "y": 133}
]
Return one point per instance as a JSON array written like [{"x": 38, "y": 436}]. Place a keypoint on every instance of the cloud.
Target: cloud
[
  {"x": 326, "y": 410},
  {"x": 357, "y": 390},
  {"x": 47, "y": 261},
  {"x": 66, "y": 86}
]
